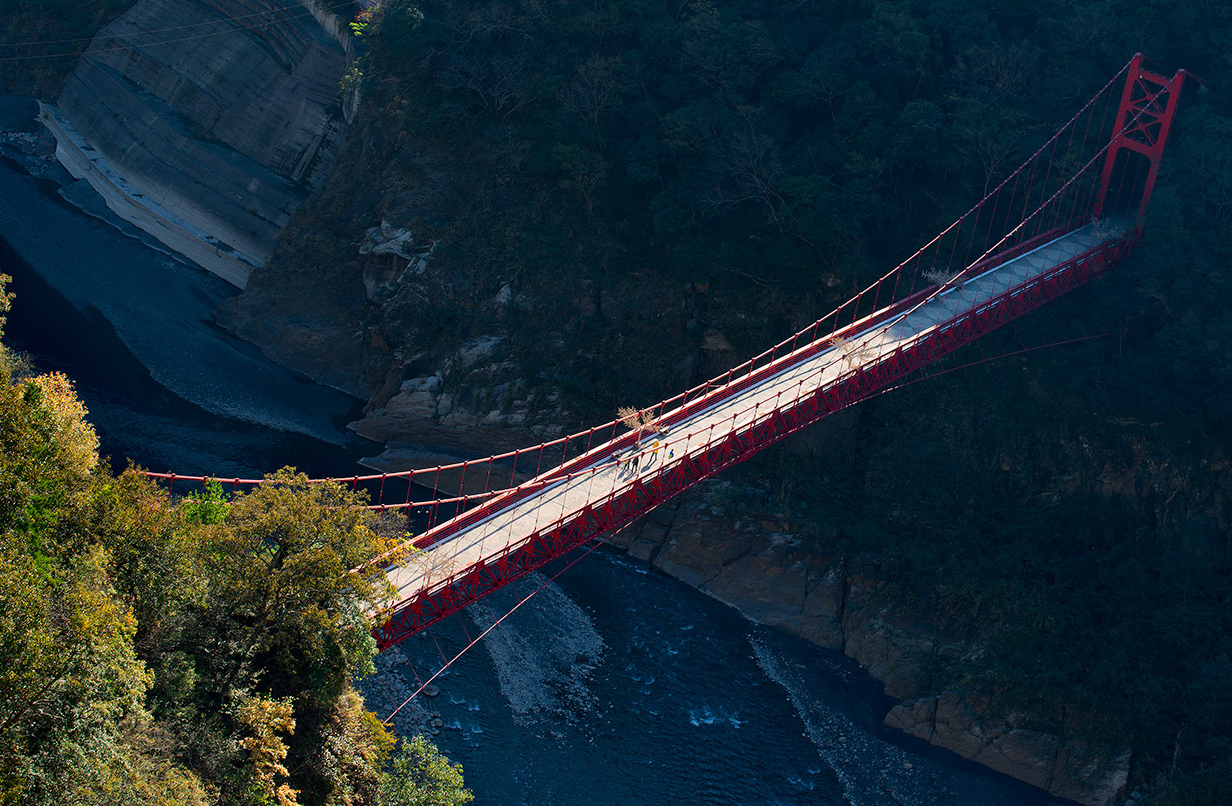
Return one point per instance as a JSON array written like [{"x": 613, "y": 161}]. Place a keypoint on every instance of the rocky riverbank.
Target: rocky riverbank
[
  {"x": 761, "y": 568},
  {"x": 387, "y": 691},
  {"x": 1065, "y": 768}
]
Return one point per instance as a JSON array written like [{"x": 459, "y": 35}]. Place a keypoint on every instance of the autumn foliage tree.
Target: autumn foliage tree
[{"x": 194, "y": 652}]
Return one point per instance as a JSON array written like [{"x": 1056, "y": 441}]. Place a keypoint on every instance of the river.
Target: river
[{"x": 614, "y": 685}]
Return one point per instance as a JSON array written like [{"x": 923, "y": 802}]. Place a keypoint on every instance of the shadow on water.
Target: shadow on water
[
  {"x": 138, "y": 418},
  {"x": 82, "y": 344}
]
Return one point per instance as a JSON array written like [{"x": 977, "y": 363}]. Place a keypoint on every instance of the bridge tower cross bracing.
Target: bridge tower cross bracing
[
  {"x": 1041, "y": 232},
  {"x": 1144, "y": 118}
]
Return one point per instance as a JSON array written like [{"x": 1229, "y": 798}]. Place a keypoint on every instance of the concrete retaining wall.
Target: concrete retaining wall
[{"x": 207, "y": 141}]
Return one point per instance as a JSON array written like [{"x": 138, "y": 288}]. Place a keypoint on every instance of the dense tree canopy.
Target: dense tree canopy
[
  {"x": 40, "y": 40},
  {"x": 643, "y": 174},
  {"x": 194, "y": 652}
]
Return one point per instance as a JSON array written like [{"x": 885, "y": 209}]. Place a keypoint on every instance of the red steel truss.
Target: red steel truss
[
  {"x": 472, "y": 584},
  {"x": 1032, "y": 207},
  {"x": 1143, "y": 120}
]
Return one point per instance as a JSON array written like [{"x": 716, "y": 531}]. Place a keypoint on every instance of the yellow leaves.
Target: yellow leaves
[
  {"x": 68, "y": 675},
  {"x": 382, "y": 742},
  {"x": 365, "y": 20},
  {"x": 363, "y": 730},
  {"x": 48, "y": 452},
  {"x": 360, "y": 731},
  {"x": 101, "y": 629},
  {"x": 75, "y": 438},
  {"x": 6, "y": 300},
  {"x": 357, "y": 748},
  {"x": 265, "y": 718},
  {"x": 99, "y": 619}
]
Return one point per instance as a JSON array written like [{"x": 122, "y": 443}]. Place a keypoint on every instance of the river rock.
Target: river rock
[
  {"x": 842, "y": 603},
  {"x": 472, "y": 400},
  {"x": 1065, "y": 768},
  {"x": 388, "y": 240}
]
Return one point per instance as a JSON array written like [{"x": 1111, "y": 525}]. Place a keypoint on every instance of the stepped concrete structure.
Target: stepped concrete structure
[{"x": 206, "y": 122}]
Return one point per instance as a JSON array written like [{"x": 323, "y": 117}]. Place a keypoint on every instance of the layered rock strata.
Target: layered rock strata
[{"x": 206, "y": 122}]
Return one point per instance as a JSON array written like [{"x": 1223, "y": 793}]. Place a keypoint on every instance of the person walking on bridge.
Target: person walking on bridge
[{"x": 654, "y": 452}]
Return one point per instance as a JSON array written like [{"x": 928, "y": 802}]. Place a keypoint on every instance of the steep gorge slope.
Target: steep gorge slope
[
  {"x": 606, "y": 203},
  {"x": 206, "y": 122},
  {"x": 609, "y": 201}
]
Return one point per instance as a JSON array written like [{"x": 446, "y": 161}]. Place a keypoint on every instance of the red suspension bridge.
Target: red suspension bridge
[{"x": 1067, "y": 214}]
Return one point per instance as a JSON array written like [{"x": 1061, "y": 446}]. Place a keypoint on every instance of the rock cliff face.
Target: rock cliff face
[
  {"x": 841, "y": 603},
  {"x": 458, "y": 394},
  {"x": 1067, "y": 769},
  {"x": 206, "y": 122}
]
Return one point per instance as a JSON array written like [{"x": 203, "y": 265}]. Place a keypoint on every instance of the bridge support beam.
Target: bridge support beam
[
  {"x": 1144, "y": 118},
  {"x": 603, "y": 516},
  {"x": 1151, "y": 98}
]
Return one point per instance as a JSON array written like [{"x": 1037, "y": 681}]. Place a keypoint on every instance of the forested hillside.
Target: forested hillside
[
  {"x": 40, "y": 40},
  {"x": 628, "y": 196},
  {"x": 195, "y": 652},
  {"x": 633, "y": 195}
]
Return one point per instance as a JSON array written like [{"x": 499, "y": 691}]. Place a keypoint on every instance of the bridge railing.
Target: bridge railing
[
  {"x": 444, "y": 572},
  {"x": 1036, "y": 201},
  {"x": 1066, "y": 207}
]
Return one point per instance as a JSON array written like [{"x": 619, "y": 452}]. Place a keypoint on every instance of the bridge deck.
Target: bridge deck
[{"x": 612, "y": 473}]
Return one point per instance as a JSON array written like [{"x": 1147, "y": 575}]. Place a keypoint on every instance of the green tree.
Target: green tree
[
  {"x": 60, "y": 30},
  {"x": 72, "y": 689},
  {"x": 192, "y": 652},
  {"x": 420, "y": 776},
  {"x": 354, "y": 751},
  {"x": 280, "y": 570}
]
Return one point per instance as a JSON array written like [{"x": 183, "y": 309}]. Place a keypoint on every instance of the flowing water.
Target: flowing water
[
  {"x": 614, "y": 685},
  {"x": 134, "y": 327},
  {"x": 617, "y": 685}
]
